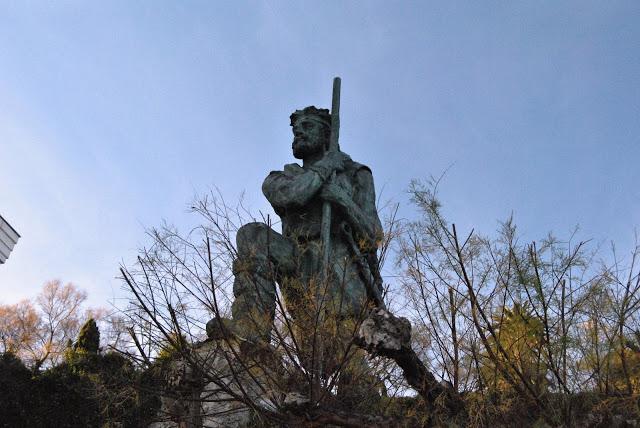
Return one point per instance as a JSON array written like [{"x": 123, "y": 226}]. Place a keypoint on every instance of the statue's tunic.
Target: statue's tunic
[
  {"x": 295, "y": 257},
  {"x": 293, "y": 195}
]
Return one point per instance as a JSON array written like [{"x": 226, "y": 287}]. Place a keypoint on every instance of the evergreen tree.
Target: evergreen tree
[{"x": 88, "y": 338}]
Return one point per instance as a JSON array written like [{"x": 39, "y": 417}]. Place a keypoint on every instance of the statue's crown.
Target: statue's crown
[{"x": 320, "y": 115}]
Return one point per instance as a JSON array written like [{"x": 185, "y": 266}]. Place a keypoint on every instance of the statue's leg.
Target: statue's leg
[
  {"x": 339, "y": 297},
  {"x": 357, "y": 388},
  {"x": 262, "y": 253},
  {"x": 347, "y": 289}
]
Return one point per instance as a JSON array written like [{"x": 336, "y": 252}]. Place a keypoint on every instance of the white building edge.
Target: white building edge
[{"x": 8, "y": 239}]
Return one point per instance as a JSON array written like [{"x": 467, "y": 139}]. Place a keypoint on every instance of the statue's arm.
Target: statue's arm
[
  {"x": 360, "y": 210},
  {"x": 296, "y": 186},
  {"x": 287, "y": 189}
]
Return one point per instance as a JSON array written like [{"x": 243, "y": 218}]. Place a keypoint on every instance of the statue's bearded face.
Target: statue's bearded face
[{"x": 309, "y": 138}]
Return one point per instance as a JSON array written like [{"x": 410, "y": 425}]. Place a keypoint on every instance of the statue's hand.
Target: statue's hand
[
  {"x": 333, "y": 193},
  {"x": 334, "y": 161}
]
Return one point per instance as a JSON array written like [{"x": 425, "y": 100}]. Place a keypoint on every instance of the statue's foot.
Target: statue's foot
[
  {"x": 226, "y": 328},
  {"x": 251, "y": 346},
  {"x": 221, "y": 328}
]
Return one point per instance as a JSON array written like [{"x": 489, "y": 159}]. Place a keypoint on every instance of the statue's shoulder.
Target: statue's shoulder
[
  {"x": 293, "y": 168},
  {"x": 360, "y": 176},
  {"x": 289, "y": 169},
  {"x": 356, "y": 167}
]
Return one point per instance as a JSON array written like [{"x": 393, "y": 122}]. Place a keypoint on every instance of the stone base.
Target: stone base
[{"x": 215, "y": 393}]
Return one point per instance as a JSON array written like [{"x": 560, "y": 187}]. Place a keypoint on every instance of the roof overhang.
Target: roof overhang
[{"x": 8, "y": 239}]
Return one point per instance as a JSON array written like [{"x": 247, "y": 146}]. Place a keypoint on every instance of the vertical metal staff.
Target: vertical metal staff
[
  {"x": 333, "y": 147},
  {"x": 325, "y": 230}
]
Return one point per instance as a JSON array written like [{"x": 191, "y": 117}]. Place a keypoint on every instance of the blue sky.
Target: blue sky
[{"x": 113, "y": 115}]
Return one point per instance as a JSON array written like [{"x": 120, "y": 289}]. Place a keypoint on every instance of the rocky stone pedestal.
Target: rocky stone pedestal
[{"x": 216, "y": 385}]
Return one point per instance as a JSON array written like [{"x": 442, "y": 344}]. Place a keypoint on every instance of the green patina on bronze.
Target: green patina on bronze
[{"x": 293, "y": 259}]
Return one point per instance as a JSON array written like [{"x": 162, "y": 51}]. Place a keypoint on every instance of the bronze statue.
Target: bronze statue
[{"x": 338, "y": 275}]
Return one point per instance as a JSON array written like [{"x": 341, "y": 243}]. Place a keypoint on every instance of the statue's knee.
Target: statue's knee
[
  {"x": 253, "y": 286},
  {"x": 251, "y": 265},
  {"x": 249, "y": 237}
]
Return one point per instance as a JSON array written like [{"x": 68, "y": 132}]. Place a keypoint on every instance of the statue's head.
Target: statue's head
[{"x": 311, "y": 129}]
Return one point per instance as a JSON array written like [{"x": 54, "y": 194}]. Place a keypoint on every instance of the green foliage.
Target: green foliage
[
  {"x": 84, "y": 352},
  {"x": 169, "y": 348},
  {"x": 52, "y": 398},
  {"x": 119, "y": 389},
  {"x": 88, "y": 338},
  {"x": 63, "y": 398},
  {"x": 15, "y": 389},
  {"x": 87, "y": 390},
  {"x": 521, "y": 336}
]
